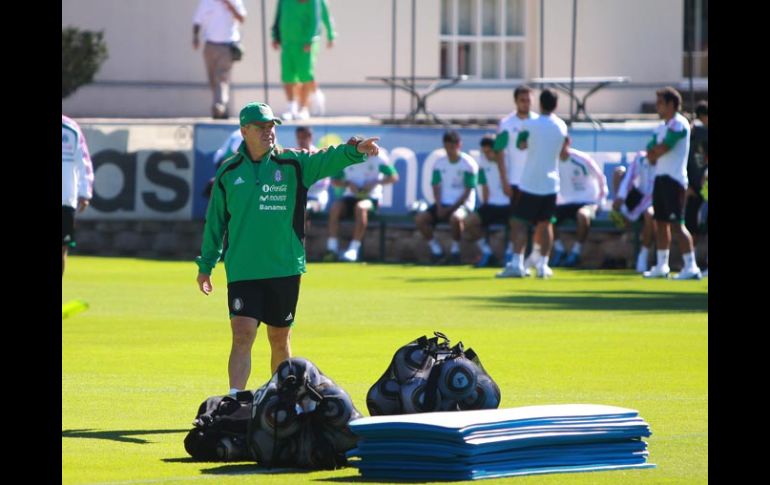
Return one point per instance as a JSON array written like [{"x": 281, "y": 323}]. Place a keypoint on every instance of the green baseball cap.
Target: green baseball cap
[{"x": 257, "y": 112}]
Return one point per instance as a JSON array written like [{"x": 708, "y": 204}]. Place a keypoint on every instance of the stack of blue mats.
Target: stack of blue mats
[{"x": 470, "y": 445}]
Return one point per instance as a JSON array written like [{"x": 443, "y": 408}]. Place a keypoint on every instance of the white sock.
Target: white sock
[
  {"x": 332, "y": 244},
  {"x": 483, "y": 246},
  {"x": 234, "y": 391},
  {"x": 576, "y": 248},
  {"x": 293, "y": 107},
  {"x": 543, "y": 261},
  {"x": 558, "y": 246},
  {"x": 435, "y": 247},
  {"x": 455, "y": 248},
  {"x": 354, "y": 244},
  {"x": 689, "y": 259},
  {"x": 516, "y": 261},
  {"x": 535, "y": 256},
  {"x": 662, "y": 258},
  {"x": 644, "y": 253}
]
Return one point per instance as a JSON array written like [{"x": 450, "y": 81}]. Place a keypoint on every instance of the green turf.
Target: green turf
[{"x": 150, "y": 348}]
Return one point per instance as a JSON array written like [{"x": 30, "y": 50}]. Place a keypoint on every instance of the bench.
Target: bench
[{"x": 602, "y": 223}]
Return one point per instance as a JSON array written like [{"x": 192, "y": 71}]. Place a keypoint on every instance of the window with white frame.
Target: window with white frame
[{"x": 484, "y": 39}]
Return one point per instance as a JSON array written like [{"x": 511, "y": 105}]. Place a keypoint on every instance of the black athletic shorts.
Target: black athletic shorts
[
  {"x": 691, "y": 211},
  {"x": 633, "y": 198},
  {"x": 515, "y": 196},
  {"x": 350, "y": 205},
  {"x": 566, "y": 211},
  {"x": 668, "y": 200},
  {"x": 494, "y": 214},
  {"x": 535, "y": 208},
  {"x": 67, "y": 226},
  {"x": 432, "y": 210},
  {"x": 269, "y": 300}
]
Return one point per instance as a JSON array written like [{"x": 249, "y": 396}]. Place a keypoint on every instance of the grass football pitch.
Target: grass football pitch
[{"x": 151, "y": 348}]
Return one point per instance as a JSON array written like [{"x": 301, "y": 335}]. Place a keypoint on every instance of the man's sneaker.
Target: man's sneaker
[
  {"x": 487, "y": 259},
  {"x": 303, "y": 114},
  {"x": 318, "y": 103},
  {"x": 572, "y": 260},
  {"x": 288, "y": 116},
  {"x": 330, "y": 257},
  {"x": 558, "y": 258},
  {"x": 641, "y": 265},
  {"x": 544, "y": 271},
  {"x": 351, "y": 255},
  {"x": 531, "y": 261},
  {"x": 691, "y": 273},
  {"x": 453, "y": 259},
  {"x": 617, "y": 219},
  {"x": 436, "y": 258},
  {"x": 512, "y": 272},
  {"x": 657, "y": 272},
  {"x": 219, "y": 112}
]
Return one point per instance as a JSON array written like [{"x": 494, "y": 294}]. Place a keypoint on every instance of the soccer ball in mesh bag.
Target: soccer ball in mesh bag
[
  {"x": 486, "y": 395},
  {"x": 458, "y": 378},
  {"x": 336, "y": 407},
  {"x": 278, "y": 417},
  {"x": 409, "y": 360},
  {"x": 413, "y": 397},
  {"x": 384, "y": 397},
  {"x": 301, "y": 369}
]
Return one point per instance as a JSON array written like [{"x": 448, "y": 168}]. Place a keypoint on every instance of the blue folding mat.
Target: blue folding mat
[{"x": 469, "y": 445}]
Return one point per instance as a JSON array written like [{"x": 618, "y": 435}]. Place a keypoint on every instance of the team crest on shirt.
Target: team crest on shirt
[{"x": 278, "y": 177}]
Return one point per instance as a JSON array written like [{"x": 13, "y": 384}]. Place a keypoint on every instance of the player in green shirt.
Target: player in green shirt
[
  {"x": 257, "y": 211},
  {"x": 296, "y": 30}
]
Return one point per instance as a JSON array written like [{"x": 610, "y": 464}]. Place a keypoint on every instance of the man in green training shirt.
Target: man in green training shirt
[
  {"x": 297, "y": 31},
  {"x": 257, "y": 210}
]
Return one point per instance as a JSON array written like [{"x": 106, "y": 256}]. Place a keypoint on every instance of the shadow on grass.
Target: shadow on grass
[
  {"x": 123, "y": 436},
  {"x": 448, "y": 279},
  {"x": 252, "y": 469},
  {"x": 602, "y": 301},
  {"x": 360, "y": 479}
]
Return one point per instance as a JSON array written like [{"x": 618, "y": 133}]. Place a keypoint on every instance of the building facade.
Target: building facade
[{"x": 153, "y": 71}]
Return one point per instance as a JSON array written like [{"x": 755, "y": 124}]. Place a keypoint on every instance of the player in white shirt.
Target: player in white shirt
[
  {"x": 77, "y": 180},
  {"x": 582, "y": 190},
  {"x": 454, "y": 184},
  {"x": 668, "y": 151},
  {"x": 495, "y": 204},
  {"x": 219, "y": 20},
  {"x": 363, "y": 191},
  {"x": 544, "y": 138},
  {"x": 318, "y": 193},
  {"x": 633, "y": 198},
  {"x": 512, "y": 157}
]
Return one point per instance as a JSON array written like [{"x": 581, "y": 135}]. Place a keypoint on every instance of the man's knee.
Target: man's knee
[
  {"x": 335, "y": 211},
  {"x": 279, "y": 337},
  {"x": 679, "y": 228},
  {"x": 584, "y": 217},
  {"x": 362, "y": 210},
  {"x": 244, "y": 331}
]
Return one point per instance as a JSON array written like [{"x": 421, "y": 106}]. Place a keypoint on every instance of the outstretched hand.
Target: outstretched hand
[{"x": 369, "y": 147}]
